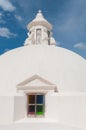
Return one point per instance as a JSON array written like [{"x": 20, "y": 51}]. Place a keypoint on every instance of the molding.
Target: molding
[{"x": 45, "y": 84}]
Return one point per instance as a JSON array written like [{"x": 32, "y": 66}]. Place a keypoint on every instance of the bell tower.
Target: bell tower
[{"x": 39, "y": 31}]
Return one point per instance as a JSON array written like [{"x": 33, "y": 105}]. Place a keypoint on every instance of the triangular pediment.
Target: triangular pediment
[{"x": 35, "y": 82}]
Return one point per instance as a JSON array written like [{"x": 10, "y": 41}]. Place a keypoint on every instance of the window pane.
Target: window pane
[
  {"x": 31, "y": 109},
  {"x": 39, "y": 110},
  {"x": 31, "y": 99},
  {"x": 39, "y": 99}
]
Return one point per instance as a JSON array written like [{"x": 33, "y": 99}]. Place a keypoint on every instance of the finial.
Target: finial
[
  {"x": 39, "y": 11},
  {"x": 39, "y": 15}
]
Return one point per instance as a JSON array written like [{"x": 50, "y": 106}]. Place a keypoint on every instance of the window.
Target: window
[
  {"x": 48, "y": 37},
  {"x": 30, "y": 32},
  {"x": 38, "y": 36},
  {"x": 35, "y": 104}
]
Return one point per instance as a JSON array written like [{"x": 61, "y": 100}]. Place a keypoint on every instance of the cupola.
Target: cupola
[{"x": 39, "y": 31}]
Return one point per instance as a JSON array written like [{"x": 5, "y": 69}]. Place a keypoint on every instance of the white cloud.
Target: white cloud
[
  {"x": 5, "y": 32},
  {"x": 6, "y": 5},
  {"x": 19, "y": 18},
  {"x": 1, "y": 15},
  {"x": 80, "y": 45},
  {"x": 1, "y": 18}
]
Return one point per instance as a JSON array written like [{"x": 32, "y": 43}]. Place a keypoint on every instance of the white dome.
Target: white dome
[{"x": 60, "y": 66}]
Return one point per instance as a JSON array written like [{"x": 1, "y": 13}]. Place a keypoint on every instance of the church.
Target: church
[{"x": 42, "y": 85}]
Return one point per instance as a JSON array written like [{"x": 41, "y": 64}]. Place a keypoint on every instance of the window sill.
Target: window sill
[{"x": 36, "y": 120}]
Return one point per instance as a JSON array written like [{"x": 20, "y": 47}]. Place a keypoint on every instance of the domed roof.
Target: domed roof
[{"x": 60, "y": 66}]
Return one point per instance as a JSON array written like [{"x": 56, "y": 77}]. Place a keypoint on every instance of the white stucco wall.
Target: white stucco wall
[
  {"x": 62, "y": 108},
  {"x": 51, "y": 107},
  {"x": 37, "y": 126},
  {"x": 6, "y": 109},
  {"x": 20, "y": 107},
  {"x": 68, "y": 109}
]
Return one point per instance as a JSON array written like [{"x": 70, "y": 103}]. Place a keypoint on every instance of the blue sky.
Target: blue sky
[{"x": 68, "y": 18}]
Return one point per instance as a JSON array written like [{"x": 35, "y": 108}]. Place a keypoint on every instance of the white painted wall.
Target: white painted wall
[
  {"x": 51, "y": 107},
  {"x": 68, "y": 108},
  {"x": 37, "y": 126},
  {"x": 6, "y": 109},
  {"x": 20, "y": 107}
]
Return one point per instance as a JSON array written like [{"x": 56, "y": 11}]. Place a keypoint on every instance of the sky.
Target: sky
[{"x": 68, "y": 18}]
